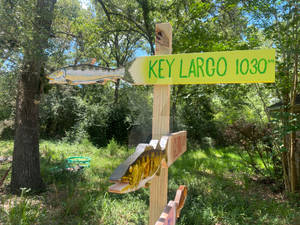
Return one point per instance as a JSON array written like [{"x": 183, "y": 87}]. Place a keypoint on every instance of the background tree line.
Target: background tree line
[{"x": 40, "y": 36}]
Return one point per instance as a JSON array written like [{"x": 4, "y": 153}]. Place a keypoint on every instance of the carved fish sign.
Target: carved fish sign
[
  {"x": 85, "y": 74},
  {"x": 139, "y": 168}
]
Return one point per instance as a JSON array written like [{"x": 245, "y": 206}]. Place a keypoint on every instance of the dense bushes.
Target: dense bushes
[
  {"x": 256, "y": 141},
  {"x": 113, "y": 125},
  {"x": 74, "y": 113},
  {"x": 196, "y": 113},
  {"x": 197, "y": 116}
]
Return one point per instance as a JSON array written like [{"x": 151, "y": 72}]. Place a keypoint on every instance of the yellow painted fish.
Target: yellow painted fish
[{"x": 139, "y": 168}]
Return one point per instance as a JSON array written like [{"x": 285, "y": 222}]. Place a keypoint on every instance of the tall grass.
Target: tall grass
[
  {"x": 23, "y": 212},
  {"x": 221, "y": 190}
]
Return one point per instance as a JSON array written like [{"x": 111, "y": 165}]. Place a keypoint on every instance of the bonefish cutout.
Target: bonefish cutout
[
  {"x": 139, "y": 168},
  {"x": 85, "y": 74}
]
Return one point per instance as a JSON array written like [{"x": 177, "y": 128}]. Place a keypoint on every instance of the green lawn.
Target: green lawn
[{"x": 221, "y": 190}]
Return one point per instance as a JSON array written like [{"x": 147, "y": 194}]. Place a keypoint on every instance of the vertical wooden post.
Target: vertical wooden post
[{"x": 160, "y": 123}]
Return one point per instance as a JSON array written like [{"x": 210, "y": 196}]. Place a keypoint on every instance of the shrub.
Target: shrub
[
  {"x": 197, "y": 117},
  {"x": 256, "y": 141}
]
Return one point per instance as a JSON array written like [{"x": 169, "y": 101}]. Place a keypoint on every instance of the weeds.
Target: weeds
[
  {"x": 23, "y": 212},
  {"x": 221, "y": 190}
]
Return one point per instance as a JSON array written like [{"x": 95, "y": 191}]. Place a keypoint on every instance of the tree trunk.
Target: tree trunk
[
  {"x": 294, "y": 179},
  {"x": 26, "y": 158},
  {"x": 116, "y": 97},
  {"x": 294, "y": 168},
  {"x": 284, "y": 154}
]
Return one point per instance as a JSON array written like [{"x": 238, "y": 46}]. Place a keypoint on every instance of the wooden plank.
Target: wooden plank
[
  {"x": 160, "y": 124},
  {"x": 172, "y": 210},
  {"x": 242, "y": 66},
  {"x": 168, "y": 217},
  {"x": 161, "y": 111},
  {"x": 180, "y": 198},
  {"x": 176, "y": 146},
  {"x": 118, "y": 188}
]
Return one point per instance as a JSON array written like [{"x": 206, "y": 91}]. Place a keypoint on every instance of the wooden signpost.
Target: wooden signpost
[
  {"x": 160, "y": 123},
  {"x": 168, "y": 217},
  {"x": 163, "y": 70}
]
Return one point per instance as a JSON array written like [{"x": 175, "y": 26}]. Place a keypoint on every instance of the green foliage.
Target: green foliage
[
  {"x": 60, "y": 110},
  {"x": 281, "y": 130},
  {"x": 8, "y": 89},
  {"x": 23, "y": 212},
  {"x": 135, "y": 17},
  {"x": 134, "y": 213},
  {"x": 197, "y": 116},
  {"x": 234, "y": 102},
  {"x": 117, "y": 125},
  {"x": 256, "y": 141},
  {"x": 225, "y": 191},
  {"x": 113, "y": 147},
  {"x": 82, "y": 197},
  {"x": 7, "y": 95},
  {"x": 209, "y": 26},
  {"x": 76, "y": 113},
  {"x": 207, "y": 143},
  {"x": 112, "y": 31},
  {"x": 280, "y": 23}
]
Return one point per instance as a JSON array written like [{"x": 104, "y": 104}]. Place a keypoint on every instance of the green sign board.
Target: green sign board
[{"x": 245, "y": 66}]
